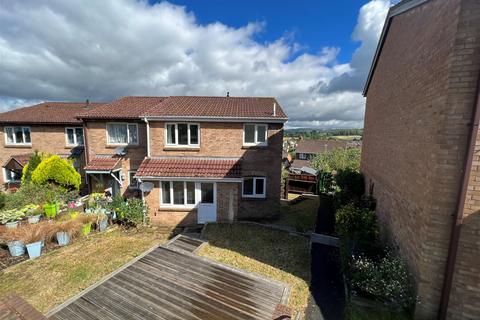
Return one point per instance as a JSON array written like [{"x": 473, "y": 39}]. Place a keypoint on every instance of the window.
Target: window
[
  {"x": 17, "y": 135},
  {"x": 182, "y": 134},
  {"x": 255, "y": 134},
  {"x": 133, "y": 183},
  {"x": 254, "y": 187},
  {"x": 178, "y": 193},
  {"x": 122, "y": 133},
  {"x": 74, "y": 136},
  {"x": 12, "y": 175},
  {"x": 302, "y": 156}
]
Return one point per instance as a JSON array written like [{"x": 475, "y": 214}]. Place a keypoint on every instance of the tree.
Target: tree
[
  {"x": 56, "y": 170},
  {"x": 32, "y": 164},
  {"x": 338, "y": 160}
]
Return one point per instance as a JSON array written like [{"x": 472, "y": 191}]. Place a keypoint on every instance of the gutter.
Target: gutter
[{"x": 457, "y": 224}]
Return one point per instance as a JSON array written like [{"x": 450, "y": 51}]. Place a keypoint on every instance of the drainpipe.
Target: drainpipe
[
  {"x": 457, "y": 224},
  {"x": 148, "y": 137},
  {"x": 85, "y": 150}
]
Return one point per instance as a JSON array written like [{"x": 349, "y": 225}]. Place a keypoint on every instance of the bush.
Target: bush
[
  {"x": 338, "y": 160},
  {"x": 56, "y": 170},
  {"x": 387, "y": 280},
  {"x": 357, "y": 224},
  {"x": 2, "y": 200},
  {"x": 129, "y": 212},
  {"x": 351, "y": 186},
  {"x": 32, "y": 194},
  {"x": 33, "y": 162}
]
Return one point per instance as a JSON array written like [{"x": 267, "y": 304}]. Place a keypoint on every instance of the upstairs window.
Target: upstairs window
[
  {"x": 17, "y": 136},
  {"x": 133, "y": 182},
  {"x": 254, "y": 187},
  {"x": 74, "y": 136},
  {"x": 255, "y": 134},
  {"x": 122, "y": 133},
  {"x": 182, "y": 134}
]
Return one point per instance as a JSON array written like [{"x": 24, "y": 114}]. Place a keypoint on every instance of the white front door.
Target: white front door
[{"x": 207, "y": 207}]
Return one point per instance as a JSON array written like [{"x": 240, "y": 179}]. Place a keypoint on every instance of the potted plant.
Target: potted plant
[
  {"x": 67, "y": 230},
  {"x": 11, "y": 217},
  {"x": 52, "y": 206},
  {"x": 15, "y": 244},
  {"x": 102, "y": 222},
  {"x": 86, "y": 220},
  {"x": 34, "y": 215},
  {"x": 33, "y": 236}
]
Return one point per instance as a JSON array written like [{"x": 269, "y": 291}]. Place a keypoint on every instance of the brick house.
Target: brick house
[
  {"x": 306, "y": 150},
  {"x": 205, "y": 158},
  {"x": 50, "y": 127},
  {"x": 421, "y": 149}
]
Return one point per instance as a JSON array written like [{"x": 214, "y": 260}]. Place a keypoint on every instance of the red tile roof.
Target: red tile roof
[
  {"x": 21, "y": 159},
  {"x": 123, "y": 108},
  {"x": 104, "y": 163},
  {"x": 319, "y": 146},
  {"x": 217, "y": 107},
  {"x": 193, "y": 167},
  {"x": 48, "y": 113}
]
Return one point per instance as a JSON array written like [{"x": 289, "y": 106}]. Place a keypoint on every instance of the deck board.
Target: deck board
[{"x": 170, "y": 283}]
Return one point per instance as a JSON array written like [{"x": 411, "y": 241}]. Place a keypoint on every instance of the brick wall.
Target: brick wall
[
  {"x": 48, "y": 139},
  {"x": 419, "y": 108}
]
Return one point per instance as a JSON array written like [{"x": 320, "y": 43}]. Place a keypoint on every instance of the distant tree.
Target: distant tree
[{"x": 338, "y": 160}]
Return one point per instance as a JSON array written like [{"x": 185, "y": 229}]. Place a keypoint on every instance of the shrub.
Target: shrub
[
  {"x": 2, "y": 200},
  {"x": 350, "y": 185},
  {"x": 32, "y": 194},
  {"x": 357, "y": 224},
  {"x": 33, "y": 162},
  {"x": 337, "y": 160},
  {"x": 129, "y": 212},
  {"x": 387, "y": 280},
  {"x": 56, "y": 170}
]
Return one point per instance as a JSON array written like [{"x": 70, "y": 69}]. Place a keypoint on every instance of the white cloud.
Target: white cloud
[{"x": 73, "y": 50}]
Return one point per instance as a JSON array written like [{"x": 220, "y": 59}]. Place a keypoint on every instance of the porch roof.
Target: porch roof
[
  {"x": 104, "y": 163},
  {"x": 189, "y": 167},
  {"x": 16, "y": 161}
]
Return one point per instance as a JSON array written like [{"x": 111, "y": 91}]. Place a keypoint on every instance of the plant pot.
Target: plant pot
[
  {"x": 87, "y": 228},
  {"x": 51, "y": 209},
  {"x": 34, "y": 219},
  {"x": 88, "y": 211},
  {"x": 11, "y": 225},
  {"x": 16, "y": 248},
  {"x": 34, "y": 249},
  {"x": 102, "y": 225},
  {"x": 63, "y": 238}
]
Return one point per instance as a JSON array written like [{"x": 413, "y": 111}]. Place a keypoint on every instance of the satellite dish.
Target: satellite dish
[
  {"x": 146, "y": 186},
  {"x": 120, "y": 151}
]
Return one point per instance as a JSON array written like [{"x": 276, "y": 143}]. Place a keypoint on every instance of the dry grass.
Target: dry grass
[
  {"x": 301, "y": 216},
  {"x": 271, "y": 253},
  {"x": 57, "y": 275}
]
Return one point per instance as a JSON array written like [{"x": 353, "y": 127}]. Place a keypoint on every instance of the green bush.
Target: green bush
[
  {"x": 129, "y": 212},
  {"x": 338, "y": 160},
  {"x": 2, "y": 200},
  {"x": 56, "y": 170},
  {"x": 33, "y": 162},
  {"x": 357, "y": 224},
  {"x": 351, "y": 186},
  {"x": 386, "y": 280},
  {"x": 32, "y": 194}
]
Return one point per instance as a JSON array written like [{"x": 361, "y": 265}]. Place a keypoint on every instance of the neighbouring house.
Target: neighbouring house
[
  {"x": 204, "y": 158},
  {"x": 50, "y": 127},
  {"x": 306, "y": 150},
  {"x": 421, "y": 149}
]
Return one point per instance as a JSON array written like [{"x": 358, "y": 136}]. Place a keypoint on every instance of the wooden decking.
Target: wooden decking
[
  {"x": 174, "y": 284},
  {"x": 184, "y": 243},
  {"x": 13, "y": 307}
]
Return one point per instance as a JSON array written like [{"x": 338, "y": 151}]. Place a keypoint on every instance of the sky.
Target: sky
[{"x": 313, "y": 56}]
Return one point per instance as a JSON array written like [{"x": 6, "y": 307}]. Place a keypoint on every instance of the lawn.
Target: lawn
[
  {"x": 301, "y": 215},
  {"x": 57, "y": 275},
  {"x": 275, "y": 254}
]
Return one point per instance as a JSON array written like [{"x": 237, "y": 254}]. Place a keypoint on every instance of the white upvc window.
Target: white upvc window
[
  {"x": 133, "y": 182},
  {"x": 18, "y": 136},
  {"x": 254, "y": 187},
  {"x": 74, "y": 136},
  {"x": 11, "y": 175},
  {"x": 255, "y": 134},
  {"x": 178, "y": 193},
  {"x": 182, "y": 134},
  {"x": 119, "y": 133}
]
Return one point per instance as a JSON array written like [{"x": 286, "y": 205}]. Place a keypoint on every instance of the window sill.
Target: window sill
[
  {"x": 18, "y": 145},
  {"x": 254, "y": 198},
  {"x": 254, "y": 146},
  {"x": 180, "y": 148},
  {"x": 74, "y": 145},
  {"x": 112, "y": 146},
  {"x": 179, "y": 208}
]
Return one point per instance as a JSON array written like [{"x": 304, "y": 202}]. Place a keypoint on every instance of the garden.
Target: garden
[
  {"x": 46, "y": 212},
  {"x": 378, "y": 283}
]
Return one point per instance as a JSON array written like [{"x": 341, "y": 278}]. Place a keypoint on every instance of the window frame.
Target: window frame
[
  {"x": 5, "y": 180},
  {"x": 256, "y": 143},
  {"x": 15, "y": 137},
  {"x": 176, "y": 144},
  {"x": 137, "y": 186},
  {"x": 128, "y": 134},
  {"x": 185, "y": 205},
  {"x": 76, "y": 144},
  {"x": 255, "y": 194}
]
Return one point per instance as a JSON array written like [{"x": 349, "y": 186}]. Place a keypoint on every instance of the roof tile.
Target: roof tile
[
  {"x": 123, "y": 108},
  {"x": 103, "y": 163}
]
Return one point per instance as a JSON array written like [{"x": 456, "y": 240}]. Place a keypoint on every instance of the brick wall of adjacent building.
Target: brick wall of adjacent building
[
  {"x": 418, "y": 114},
  {"x": 45, "y": 138}
]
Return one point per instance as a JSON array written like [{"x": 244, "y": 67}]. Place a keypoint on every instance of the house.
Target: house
[
  {"x": 420, "y": 149},
  {"x": 197, "y": 159},
  {"x": 50, "y": 127},
  {"x": 306, "y": 150}
]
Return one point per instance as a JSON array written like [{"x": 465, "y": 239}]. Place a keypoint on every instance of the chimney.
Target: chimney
[
  {"x": 274, "y": 109},
  {"x": 228, "y": 94},
  {"x": 87, "y": 104}
]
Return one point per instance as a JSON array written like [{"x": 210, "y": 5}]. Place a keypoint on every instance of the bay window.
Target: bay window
[
  {"x": 74, "y": 136},
  {"x": 254, "y": 187},
  {"x": 182, "y": 134},
  {"x": 17, "y": 136},
  {"x": 178, "y": 193},
  {"x": 255, "y": 134},
  {"x": 122, "y": 133}
]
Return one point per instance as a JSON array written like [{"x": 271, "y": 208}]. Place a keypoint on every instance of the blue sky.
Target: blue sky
[
  {"x": 313, "y": 56},
  {"x": 313, "y": 24}
]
